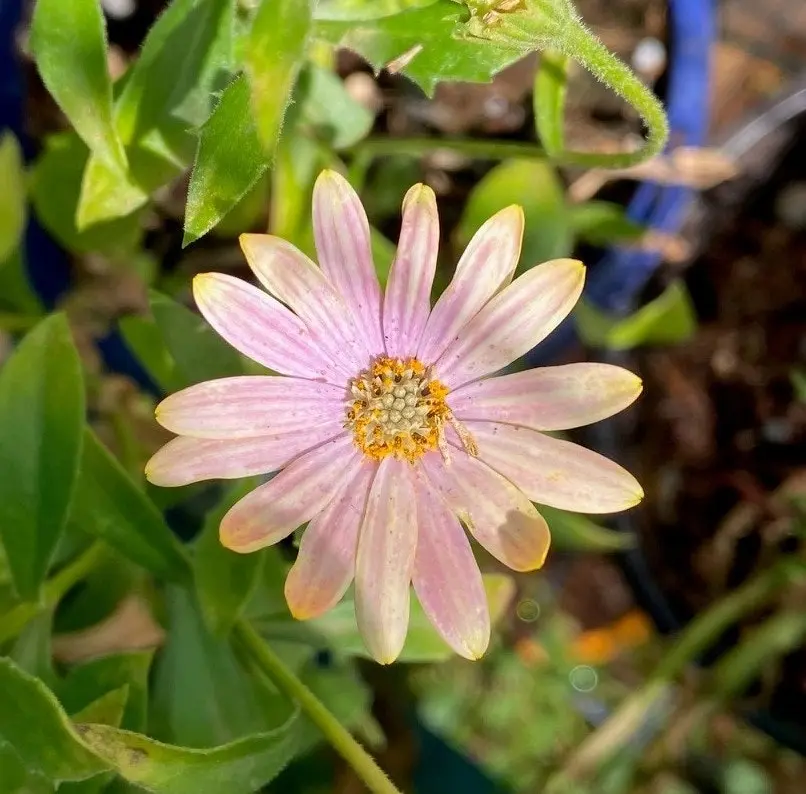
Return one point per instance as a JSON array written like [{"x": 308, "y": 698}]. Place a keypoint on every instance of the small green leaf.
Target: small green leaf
[
  {"x": 108, "y": 505},
  {"x": 668, "y": 319},
  {"x": 193, "y": 661},
  {"x": 106, "y": 194},
  {"x": 68, "y": 40},
  {"x": 603, "y": 223},
  {"x": 432, "y": 40},
  {"x": 56, "y": 184},
  {"x": 229, "y": 161},
  {"x": 42, "y": 410},
  {"x": 12, "y": 196},
  {"x": 273, "y": 55},
  {"x": 190, "y": 45},
  {"x": 87, "y": 682},
  {"x": 108, "y": 709},
  {"x": 549, "y": 100},
  {"x": 197, "y": 350},
  {"x": 575, "y": 532},
  {"x": 225, "y": 581},
  {"x": 798, "y": 379},
  {"x": 34, "y": 725},
  {"x": 144, "y": 337},
  {"x": 330, "y": 112},
  {"x": 536, "y": 187}
]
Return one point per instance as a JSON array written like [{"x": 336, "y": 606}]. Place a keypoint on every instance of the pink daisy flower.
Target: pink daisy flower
[{"x": 384, "y": 426}]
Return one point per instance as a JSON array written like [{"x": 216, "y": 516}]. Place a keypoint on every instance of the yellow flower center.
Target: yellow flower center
[{"x": 398, "y": 408}]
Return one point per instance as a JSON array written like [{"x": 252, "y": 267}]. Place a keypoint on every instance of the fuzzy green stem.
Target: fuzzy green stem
[
  {"x": 336, "y": 734},
  {"x": 471, "y": 147},
  {"x": 585, "y": 48},
  {"x": 15, "y": 620}
]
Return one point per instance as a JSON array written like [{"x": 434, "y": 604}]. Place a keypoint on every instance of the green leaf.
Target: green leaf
[
  {"x": 229, "y": 161},
  {"x": 17, "y": 779},
  {"x": 186, "y": 58},
  {"x": 102, "y": 590},
  {"x": 110, "y": 506},
  {"x": 383, "y": 254},
  {"x": 423, "y": 644},
  {"x": 16, "y": 294},
  {"x": 56, "y": 184},
  {"x": 549, "y": 100},
  {"x": 193, "y": 662},
  {"x": 536, "y": 187},
  {"x": 12, "y": 196},
  {"x": 273, "y": 55},
  {"x": 360, "y": 10},
  {"x": 433, "y": 40},
  {"x": 46, "y": 742},
  {"x": 68, "y": 41},
  {"x": 32, "y": 650},
  {"x": 144, "y": 337},
  {"x": 42, "y": 410},
  {"x": 87, "y": 682},
  {"x": 798, "y": 379},
  {"x": 225, "y": 581},
  {"x": 106, "y": 194},
  {"x": 241, "y": 767},
  {"x": 197, "y": 350},
  {"x": 331, "y": 114},
  {"x": 268, "y": 598},
  {"x": 107, "y": 709},
  {"x": 575, "y": 532},
  {"x": 666, "y": 320},
  {"x": 34, "y": 725},
  {"x": 603, "y": 223},
  {"x": 297, "y": 162}
]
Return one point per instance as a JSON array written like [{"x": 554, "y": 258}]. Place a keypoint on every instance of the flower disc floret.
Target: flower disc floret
[{"x": 397, "y": 408}]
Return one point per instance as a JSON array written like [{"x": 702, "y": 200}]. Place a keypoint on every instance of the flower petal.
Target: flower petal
[
  {"x": 548, "y": 398},
  {"x": 386, "y": 547},
  {"x": 446, "y": 576},
  {"x": 408, "y": 291},
  {"x": 341, "y": 231},
  {"x": 292, "y": 278},
  {"x": 260, "y": 327},
  {"x": 513, "y": 322},
  {"x": 185, "y": 460},
  {"x": 484, "y": 268},
  {"x": 292, "y": 497},
  {"x": 498, "y": 515},
  {"x": 325, "y": 564},
  {"x": 555, "y": 472},
  {"x": 251, "y": 405}
]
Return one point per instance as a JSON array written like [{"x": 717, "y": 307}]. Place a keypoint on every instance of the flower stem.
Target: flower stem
[
  {"x": 472, "y": 147},
  {"x": 585, "y": 48},
  {"x": 339, "y": 737},
  {"x": 55, "y": 588}
]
